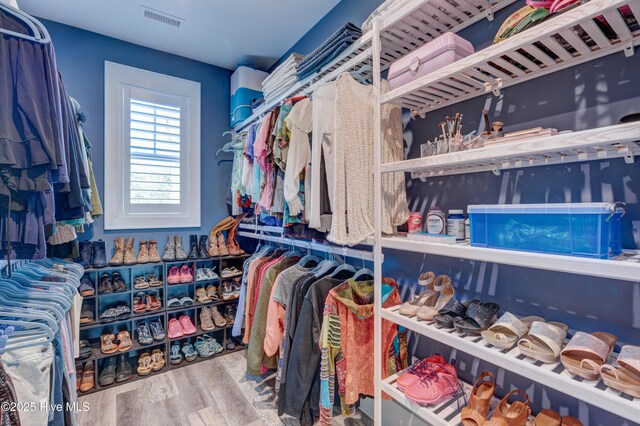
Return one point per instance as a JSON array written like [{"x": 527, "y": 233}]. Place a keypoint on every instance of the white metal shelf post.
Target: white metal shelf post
[{"x": 377, "y": 247}]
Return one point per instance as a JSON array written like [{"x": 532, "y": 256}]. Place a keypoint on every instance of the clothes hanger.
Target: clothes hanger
[
  {"x": 40, "y": 34},
  {"x": 344, "y": 271},
  {"x": 306, "y": 260},
  {"x": 363, "y": 274}
]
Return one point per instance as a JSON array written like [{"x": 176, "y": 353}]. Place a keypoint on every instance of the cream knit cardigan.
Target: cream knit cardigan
[{"x": 353, "y": 208}]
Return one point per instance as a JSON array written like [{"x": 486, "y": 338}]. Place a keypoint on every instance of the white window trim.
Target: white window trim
[{"x": 119, "y": 80}]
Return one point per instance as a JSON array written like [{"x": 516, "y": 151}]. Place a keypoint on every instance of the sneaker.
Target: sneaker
[
  {"x": 210, "y": 274},
  {"x": 201, "y": 275},
  {"x": 174, "y": 275},
  {"x": 144, "y": 333},
  {"x": 434, "y": 387},
  {"x": 157, "y": 332},
  {"x": 118, "y": 284},
  {"x": 185, "y": 274},
  {"x": 227, "y": 291},
  {"x": 86, "y": 287},
  {"x": 236, "y": 285},
  {"x": 417, "y": 370},
  {"x": 230, "y": 314},
  {"x": 217, "y": 317},
  {"x": 175, "y": 329},
  {"x": 187, "y": 325},
  {"x": 205, "y": 319},
  {"x": 105, "y": 285}
]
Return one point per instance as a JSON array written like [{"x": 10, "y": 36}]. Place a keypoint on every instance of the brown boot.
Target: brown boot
[
  {"x": 232, "y": 243},
  {"x": 129, "y": 252},
  {"x": 213, "y": 235},
  {"x": 154, "y": 255},
  {"x": 143, "y": 252},
  {"x": 118, "y": 252},
  {"x": 222, "y": 245}
]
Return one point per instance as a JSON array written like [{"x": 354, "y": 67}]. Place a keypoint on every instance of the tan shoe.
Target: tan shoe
[
  {"x": 206, "y": 322},
  {"x": 217, "y": 317},
  {"x": 129, "y": 252},
  {"x": 143, "y": 252},
  {"x": 213, "y": 235},
  {"x": 222, "y": 245},
  {"x": 232, "y": 243},
  {"x": 154, "y": 255},
  {"x": 118, "y": 252}
]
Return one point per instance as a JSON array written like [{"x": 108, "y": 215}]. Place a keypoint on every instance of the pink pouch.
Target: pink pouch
[
  {"x": 545, "y": 4},
  {"x": 438, "y": 53}
]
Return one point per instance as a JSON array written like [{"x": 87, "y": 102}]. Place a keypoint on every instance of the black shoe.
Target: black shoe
[
  {"x": 105, "y": 286},
  {"x": 86, "y": 251},
  {"x": 118, "y": 285},
  {"x": 203, "y": 247},
  {"x": 193, "y": 247},
  {"x": 85, "y": 349},
  {"x": 124, "y": 369},
  {"x": 99, "y": 254},
  {"x": 108, "y": 373}
]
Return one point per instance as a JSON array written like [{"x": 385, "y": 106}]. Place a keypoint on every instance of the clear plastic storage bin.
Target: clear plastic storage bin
[{"x": 573, "y": 229}]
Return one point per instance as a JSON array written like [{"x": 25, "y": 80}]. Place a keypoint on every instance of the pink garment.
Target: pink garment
[
  {"x": 260, "y": 144},
  {"x": 275, "y": 324},
  {"x": 256, "y": 290}
]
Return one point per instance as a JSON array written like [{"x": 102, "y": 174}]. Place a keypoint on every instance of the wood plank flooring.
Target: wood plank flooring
[{"x": 210, "y": 393}]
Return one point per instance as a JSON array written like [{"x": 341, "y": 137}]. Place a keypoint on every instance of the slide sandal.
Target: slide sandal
[
  {"x": 626, "y": 378},
  {"x": 586, "y": 352},
  {"x": 544, "y": 341},
  {"x": 451, "y": 311},
  {"x": 477, "y": 318},
  {"x": 505, "y": 332}
]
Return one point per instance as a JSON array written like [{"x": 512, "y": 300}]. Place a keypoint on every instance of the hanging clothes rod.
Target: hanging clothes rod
[{"x": 311, "y": 245}]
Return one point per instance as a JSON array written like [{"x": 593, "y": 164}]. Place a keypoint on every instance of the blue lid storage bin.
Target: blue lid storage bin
[{"x": 573, "y": 229}]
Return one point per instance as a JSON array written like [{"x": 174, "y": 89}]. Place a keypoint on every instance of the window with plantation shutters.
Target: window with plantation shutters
[{"x": 152, "y": 150}]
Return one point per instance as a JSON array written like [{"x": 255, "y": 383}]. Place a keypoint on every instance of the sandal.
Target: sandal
[
  {"x": 201, "y": 295},
  {"x": 157, "y": 360},
  {"x": 124, "y": 341},
  {"x": 153, "y": 301},
  {"x": 506, "y": 332},
  {"x": 230, "y": 272},
  {"x": 477, "y": 318},
  {"x": 625, "y": 378},
  {"x": 475, "y": 413},
  {"x": 427, "y": 297},
  {"x": 106, "y": 344},
  {"x": 204, "y": 350},
  {"x": 140, "y": 283},
  {"x": 174, "y": 302},
  {"x": 190, "y": 354},
  {"x": 153, "y": 280},
  {"x": 544, "y": 341},
  {"x": 212, "y": 293},
  {"x": 587, "y": 352},
  {"x": 186, "y": 301},
  {"x": 451, "y": 311},
  {"x": 175, "y": 357},
  {"x": 515, "y": 414},
  {"x": 87, "y": 382},
  {"x": 139, "y": 303},
  {"x": 445, "y": 292},
  {"x": 553, "y": 418},
  {"x": 144, "y": 364},
  {"x": 213, "y": 343},
  {"x": 206, "y": 322}
]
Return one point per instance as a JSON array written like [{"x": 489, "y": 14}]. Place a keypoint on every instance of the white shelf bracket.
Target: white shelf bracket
[
  {"x": 490, "y": 14},
  {"x": 496, "y": 171},
  {"x": 494, "y": 88},
  {"x": 629, "y": 49},
  {"x": 629, "y": 158}
]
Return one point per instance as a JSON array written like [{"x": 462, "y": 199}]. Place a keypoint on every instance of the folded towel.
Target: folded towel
[{"x": 286, "y": 66}]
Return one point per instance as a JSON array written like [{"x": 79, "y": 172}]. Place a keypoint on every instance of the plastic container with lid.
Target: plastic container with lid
[{"x": 574, "y": 229}]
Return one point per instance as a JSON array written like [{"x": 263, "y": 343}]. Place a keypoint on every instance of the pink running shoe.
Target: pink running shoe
[
  {"x": 187, "y": 325},
  {"x": 175, "y": 329},
  {"x": 419, "y": 369},
  {"x": 185, "y": 274},
  {"x": 435, "y": 387},
  {"x": 174, "y": 275}
]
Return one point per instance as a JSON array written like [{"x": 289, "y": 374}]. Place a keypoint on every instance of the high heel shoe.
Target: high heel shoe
[
  {"x": 475, "y": 413},
  {"x": 428, "y": 297},
  {"x": 446, "y": 292}
]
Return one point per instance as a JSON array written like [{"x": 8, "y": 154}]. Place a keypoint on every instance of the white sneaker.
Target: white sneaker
[{"x": 201, "y": 275}]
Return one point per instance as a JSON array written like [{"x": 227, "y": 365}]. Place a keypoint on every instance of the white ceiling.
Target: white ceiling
[{"x": 220, "y": 32}]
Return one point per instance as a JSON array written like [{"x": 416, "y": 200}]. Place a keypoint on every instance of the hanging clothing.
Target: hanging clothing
[
  {"x": 346, "y": 343},
  {"x": 299, "y": 121}
]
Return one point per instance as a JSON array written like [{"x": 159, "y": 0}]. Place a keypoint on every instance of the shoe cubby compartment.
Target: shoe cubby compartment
[
  {"x": 143, "y": 271},
  {"x": 148, "y": 321},
  {"x": 124, "y": 272},
  {"x": 151, "y": 291}
]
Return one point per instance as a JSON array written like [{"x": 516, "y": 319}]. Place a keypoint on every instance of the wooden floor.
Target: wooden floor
[{"x": 215, "y": 392}]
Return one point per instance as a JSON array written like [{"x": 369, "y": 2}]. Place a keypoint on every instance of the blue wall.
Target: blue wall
[
  {"x": 81, "y": 55},
  {"x": 591, "y": 95}
]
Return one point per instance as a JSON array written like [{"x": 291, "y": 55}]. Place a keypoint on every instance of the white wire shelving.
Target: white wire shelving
[
  {"x": 590, "y": 31},
  {"x": 552, "y": 375},
  {"x": 618, "y": 141}
]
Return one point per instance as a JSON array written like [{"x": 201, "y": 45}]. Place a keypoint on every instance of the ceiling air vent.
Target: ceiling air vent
[{"x": 162, "y": 17}]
